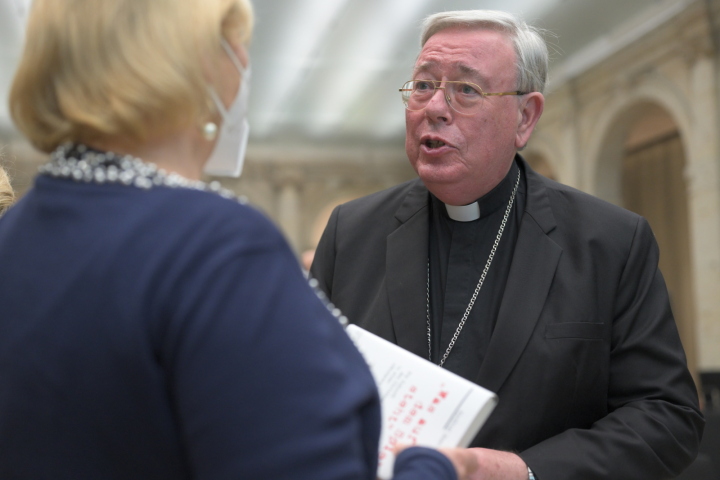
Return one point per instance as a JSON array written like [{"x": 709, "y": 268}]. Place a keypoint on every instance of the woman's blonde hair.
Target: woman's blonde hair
[
  {"x": 7, "y": 196},
  {"x": 99, "y": 69}
]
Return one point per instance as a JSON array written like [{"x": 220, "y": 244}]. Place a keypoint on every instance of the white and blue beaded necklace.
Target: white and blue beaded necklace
[{"x": 81, "y": 164}]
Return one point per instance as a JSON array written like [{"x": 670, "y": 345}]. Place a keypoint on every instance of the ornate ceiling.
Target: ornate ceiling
[{"x": 327, "y": 71}]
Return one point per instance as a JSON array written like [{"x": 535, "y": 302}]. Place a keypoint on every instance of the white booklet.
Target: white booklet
[{"x": 422, "y": 404}]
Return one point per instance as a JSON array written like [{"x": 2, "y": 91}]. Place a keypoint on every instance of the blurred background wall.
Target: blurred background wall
[{"x": 632, "y": 116}]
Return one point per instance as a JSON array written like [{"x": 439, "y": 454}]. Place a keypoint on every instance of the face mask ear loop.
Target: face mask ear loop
[
  {"x": 233, "y": 56},
  {"x": 218, "y": 103},
  {"x": 236, "y": 61}
]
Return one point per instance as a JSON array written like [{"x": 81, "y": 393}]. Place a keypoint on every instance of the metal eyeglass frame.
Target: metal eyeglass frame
[{"x": 436, "y": 85}]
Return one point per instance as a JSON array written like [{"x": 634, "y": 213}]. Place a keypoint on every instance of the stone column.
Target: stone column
[
  {"x": 703, "y": 178},
  {"x": 288, "y": 208}
]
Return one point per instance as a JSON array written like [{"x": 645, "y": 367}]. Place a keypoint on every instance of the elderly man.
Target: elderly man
[{"x": 545, "y": 295}]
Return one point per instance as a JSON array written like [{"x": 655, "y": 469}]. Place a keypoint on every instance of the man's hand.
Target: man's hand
[
  {"x": 497, "y": 465},
  {"x": 464, "y": 460}
]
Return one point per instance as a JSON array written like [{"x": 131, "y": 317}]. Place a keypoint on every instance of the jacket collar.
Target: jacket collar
[
  {"x": 415, "y": 201},
  {"x": 538, "y": 203}
]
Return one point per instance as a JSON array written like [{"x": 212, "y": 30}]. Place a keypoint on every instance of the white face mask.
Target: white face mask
[{"x": 228, "y": 156}]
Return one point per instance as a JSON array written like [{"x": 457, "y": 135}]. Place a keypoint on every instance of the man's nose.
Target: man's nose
[{"x": 438, "y": 106}]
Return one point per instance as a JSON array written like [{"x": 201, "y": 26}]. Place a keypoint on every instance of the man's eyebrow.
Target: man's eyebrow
[
  {"x": 463, "y": 68},
  {"x": 467, "y": 70},
  {"x": 424, "y": 67}
]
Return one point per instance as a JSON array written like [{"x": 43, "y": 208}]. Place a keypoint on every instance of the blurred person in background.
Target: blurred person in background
[
  {"x": 154, "y": 326},
  {"x": 7, "y": 194}
]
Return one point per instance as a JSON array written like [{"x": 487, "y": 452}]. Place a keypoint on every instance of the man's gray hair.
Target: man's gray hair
[{"x": 530, "y": 48}]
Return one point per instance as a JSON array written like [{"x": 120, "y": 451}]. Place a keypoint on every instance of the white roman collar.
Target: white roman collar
[{"x": 464, "y": 213}]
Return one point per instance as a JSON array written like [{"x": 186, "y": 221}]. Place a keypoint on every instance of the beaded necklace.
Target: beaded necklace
[{"x": 81, "y": 164}]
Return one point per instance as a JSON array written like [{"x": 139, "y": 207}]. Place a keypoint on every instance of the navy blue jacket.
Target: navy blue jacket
[{"x": 170, "y": 334}]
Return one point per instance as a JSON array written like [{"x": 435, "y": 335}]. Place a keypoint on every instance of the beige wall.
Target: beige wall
[
  {"x": 674, "y": 69},
  {"x": 298, "y": 186}
]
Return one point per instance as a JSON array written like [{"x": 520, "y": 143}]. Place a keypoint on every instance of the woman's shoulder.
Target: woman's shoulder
[{"x": 207, "y": 220}]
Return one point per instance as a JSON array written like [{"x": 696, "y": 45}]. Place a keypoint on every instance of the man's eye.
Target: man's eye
[
  {"x": 468, "y": 89},
  {"x": 424, "y": 86}
]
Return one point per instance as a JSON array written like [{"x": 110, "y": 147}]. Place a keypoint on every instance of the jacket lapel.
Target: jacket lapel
[
  {"x": 406, "y": 271},
  {"x": 533, "y": 268}
]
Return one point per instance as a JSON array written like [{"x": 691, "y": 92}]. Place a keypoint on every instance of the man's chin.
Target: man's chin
[{"x": 439, "y": 176}]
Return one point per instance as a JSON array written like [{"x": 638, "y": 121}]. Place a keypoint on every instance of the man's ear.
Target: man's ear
[{"x": 531, "y": 108}]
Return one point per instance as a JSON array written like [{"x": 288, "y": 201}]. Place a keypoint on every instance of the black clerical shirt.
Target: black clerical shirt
[{"x": 458, "y": 254}]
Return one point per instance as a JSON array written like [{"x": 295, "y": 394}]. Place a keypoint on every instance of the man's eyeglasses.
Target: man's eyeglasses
[{"x": 463, "y": 97}]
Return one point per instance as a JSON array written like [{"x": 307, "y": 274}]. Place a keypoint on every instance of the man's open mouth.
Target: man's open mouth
[{"x": 434, "y": 143}]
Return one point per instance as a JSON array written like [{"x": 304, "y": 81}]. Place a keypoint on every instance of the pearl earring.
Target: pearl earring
[{"x": 210, "y": 130}]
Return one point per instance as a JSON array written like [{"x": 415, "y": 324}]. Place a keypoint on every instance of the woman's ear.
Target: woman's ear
[{"x": 240, "y": 51}]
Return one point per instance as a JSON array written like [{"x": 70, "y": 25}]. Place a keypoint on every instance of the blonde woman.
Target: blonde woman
[
  {"x": 155, "y": 326},
  {"x": 7, "y": 195}
]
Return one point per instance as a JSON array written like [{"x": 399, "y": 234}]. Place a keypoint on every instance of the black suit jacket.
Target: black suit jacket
[{"x": 585, "y": 356}]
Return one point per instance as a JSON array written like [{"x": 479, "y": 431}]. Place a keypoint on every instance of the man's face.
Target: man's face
[{"x": 462, "y": 157}]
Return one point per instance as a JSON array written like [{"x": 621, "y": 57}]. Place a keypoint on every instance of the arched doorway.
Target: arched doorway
[{"x": 653, "y": 185}]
